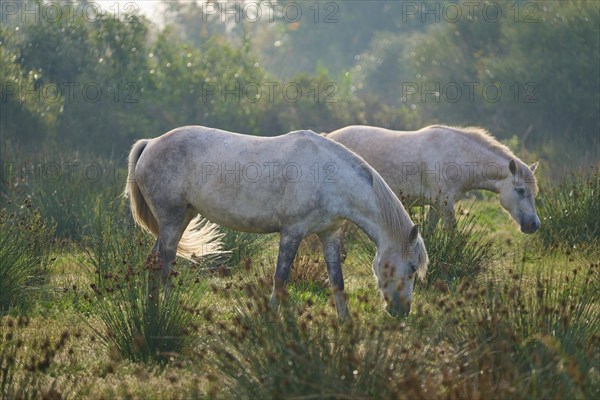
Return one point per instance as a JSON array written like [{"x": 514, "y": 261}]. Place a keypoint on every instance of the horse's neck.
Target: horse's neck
[
  {"x": 369, "y": 219},
  {"x": 485, "y": 171},
  {"x": 371, "y": 228}
]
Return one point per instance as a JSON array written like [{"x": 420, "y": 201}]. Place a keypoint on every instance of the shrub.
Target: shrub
[
  {"x": 25, "y": 247},
  {"x": 570, "y": 211}
]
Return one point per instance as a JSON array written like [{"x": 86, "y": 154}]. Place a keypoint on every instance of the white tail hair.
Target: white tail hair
[{"x": 201, "y": 238}]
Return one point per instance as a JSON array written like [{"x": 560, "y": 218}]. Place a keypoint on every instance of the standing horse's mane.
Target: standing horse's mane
[
  {"x": 488, "y": 141},
  {"x": 481, "y": 136}
]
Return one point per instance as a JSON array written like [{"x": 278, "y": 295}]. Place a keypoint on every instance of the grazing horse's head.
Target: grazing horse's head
[
  {"x": 517, "y": 195},
  {"x": 396, "y": 270}
]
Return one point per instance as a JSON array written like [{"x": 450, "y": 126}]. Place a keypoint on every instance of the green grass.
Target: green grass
[
  {"x": 241, "y": 247},
  {"x": 64, "y": 188}
]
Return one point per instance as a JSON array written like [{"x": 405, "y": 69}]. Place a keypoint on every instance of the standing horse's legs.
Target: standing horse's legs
[
  {"x": 288, "y": 246},
  {"x": 442, "y": 209},
  {"x": 449, "y": 217},
  {"x": 332, "y": 241},
  {"x": 171, "y": 226}
]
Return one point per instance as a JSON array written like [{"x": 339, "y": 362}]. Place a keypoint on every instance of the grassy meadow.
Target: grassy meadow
[{"x": 500, "y": 314}]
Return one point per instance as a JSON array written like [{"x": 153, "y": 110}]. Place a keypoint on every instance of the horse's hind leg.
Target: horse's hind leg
[
  {"x": 332, "y": 242},
  {"x": 288, "y": 246},
  {"x": 171, "y": 225}
]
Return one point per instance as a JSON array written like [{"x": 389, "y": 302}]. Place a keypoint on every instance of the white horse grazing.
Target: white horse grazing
[
  {"x": 296, "y": 184},
  {"x": 438, "y": 164}
]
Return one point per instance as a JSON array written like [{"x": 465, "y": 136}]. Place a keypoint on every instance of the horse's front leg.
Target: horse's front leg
[
  {"x": 288, "y": 246},
  {"x": 332, "y": 242}
]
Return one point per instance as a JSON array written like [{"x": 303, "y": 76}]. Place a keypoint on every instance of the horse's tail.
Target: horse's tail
[
  {"x": 140, "y": 211},
  {"x": 201, "y": 237}
]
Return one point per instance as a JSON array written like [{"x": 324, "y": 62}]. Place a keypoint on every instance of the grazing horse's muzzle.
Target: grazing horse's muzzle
[
  {"x": 531, "y": 225},
  {"x": 398, "y": 309}
]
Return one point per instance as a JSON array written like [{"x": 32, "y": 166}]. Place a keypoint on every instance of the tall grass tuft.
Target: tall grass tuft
[
  {"x": 454, "y": 253},
  {"x": 25, "y": 247},
  {"x": 309, "y": 269},
  {"x": 570, "y": 211},
  {"x": 140, "y": 319}
]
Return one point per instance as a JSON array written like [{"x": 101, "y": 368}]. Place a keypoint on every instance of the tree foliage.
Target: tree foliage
[{"x": 98, "y": 83}]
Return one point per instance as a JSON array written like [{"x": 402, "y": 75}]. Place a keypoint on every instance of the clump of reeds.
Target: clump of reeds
[
  {"x": 26, "y": 242},
  {"x": 309, "y": 269},
  {"x": 570, "y": 211},
  {"x": 300, "y": 351},
  {"x": 142, "y": 317}
]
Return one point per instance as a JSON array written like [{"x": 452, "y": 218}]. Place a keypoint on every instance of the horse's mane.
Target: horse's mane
[
  {"x": 488, "y": 141},
  {"x": 481, "y": 136},
  {"x": 394, "y": 215}
]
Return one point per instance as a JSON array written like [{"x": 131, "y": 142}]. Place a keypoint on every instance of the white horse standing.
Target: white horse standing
[
  {"x": 439, "y": 164},
  {"x": 296, "y": 184}
]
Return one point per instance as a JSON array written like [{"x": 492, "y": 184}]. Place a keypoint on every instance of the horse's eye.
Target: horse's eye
[
  {"x": 520, "y": 191},
  {"x": 413, "y": 267}
]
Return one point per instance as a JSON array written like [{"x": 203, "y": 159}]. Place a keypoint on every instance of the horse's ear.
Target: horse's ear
[
  {"x": 414, "y": 234},
  {"x": 534, "y": 166},
  {"x": 512, "y": 167}
]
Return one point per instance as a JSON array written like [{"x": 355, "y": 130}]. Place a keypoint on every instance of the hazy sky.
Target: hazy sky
[{"x": 150, "y": 8}]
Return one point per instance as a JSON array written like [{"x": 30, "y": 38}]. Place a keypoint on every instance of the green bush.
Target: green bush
[
  {"x": 25, "y": 247},
  {"x": 570, "y": 211}
]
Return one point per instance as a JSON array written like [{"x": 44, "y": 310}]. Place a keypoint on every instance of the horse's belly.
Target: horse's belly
[
  {"x": 260, "y": 208},
  {"x": 238, "y": 219}
]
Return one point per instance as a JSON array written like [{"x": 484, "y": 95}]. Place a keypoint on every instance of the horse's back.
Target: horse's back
[
  {"x": 248, "y": 182},
  {"x": 407, "y": 160}
]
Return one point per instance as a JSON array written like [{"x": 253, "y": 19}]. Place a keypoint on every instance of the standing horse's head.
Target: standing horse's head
[
  {"x": 396, "y": 270},
  {"x": 517, "y": 195}
]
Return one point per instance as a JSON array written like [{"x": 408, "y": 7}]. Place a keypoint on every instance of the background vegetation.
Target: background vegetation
[
  {"x": 97, "y": 81},
  {"x": 500, "y": 315}
]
